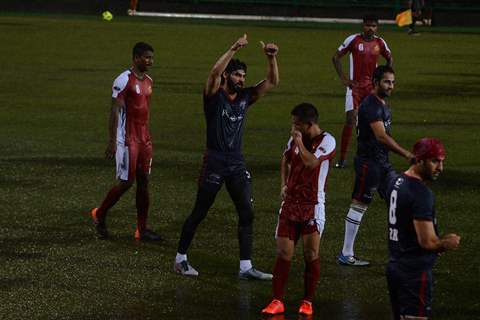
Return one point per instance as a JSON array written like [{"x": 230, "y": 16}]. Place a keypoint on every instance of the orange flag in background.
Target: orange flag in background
[{"x": 404, "y": 18}]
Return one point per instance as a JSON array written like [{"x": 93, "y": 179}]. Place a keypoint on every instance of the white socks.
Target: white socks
[
  {"x": 245, "y": 265},
  {"x": 352, "y": 223},
  {"x": 180, "y": 257}
]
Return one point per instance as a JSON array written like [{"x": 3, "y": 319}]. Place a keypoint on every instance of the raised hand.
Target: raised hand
[
  {"x": 240, "y": 43},
  {"x": 270, "y": 49}
]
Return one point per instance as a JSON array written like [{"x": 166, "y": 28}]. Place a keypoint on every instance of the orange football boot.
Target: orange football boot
[
  {"x": 275, "y": 307},
  {"x": 306, "y": 308}
]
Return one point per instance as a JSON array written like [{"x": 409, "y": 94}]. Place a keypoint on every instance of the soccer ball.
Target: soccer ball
[{"x": 107, "y": 16}]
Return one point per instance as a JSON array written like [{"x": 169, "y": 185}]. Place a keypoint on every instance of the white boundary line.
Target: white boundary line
[{"x": 251, "y": 17}]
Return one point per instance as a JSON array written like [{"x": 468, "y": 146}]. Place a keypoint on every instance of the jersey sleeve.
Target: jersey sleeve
[
  {"x": 288, "y": 149},
  {"x": 374, "y": 113},
  {"x": 385, "y": 50},
  {"x": 119, "y": 85},
  {"x": 423, "y": 202},
  {"x": 346, "y": 46},
  {"x": 326, "y": 149}
]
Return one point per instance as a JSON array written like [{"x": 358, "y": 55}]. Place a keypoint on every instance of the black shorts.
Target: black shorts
[
  {"x": 369, "y": 178},
  {"x": 221, "y": 166},
  {"x": 410, "y": 291}
]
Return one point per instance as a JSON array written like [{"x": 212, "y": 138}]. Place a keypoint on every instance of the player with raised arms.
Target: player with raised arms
[{"x": 225, "y": 105}]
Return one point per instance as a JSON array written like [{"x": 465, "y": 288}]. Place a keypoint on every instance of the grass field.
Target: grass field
[{"x": 56, "y": 75}]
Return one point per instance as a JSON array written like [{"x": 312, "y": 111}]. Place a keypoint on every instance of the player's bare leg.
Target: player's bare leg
[{"x": 350, "y": 122}]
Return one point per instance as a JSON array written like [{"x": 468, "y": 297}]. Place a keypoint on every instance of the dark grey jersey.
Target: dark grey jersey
[
  {"x": 226, "y": 119},
  {"x": 368, "y": 147}
]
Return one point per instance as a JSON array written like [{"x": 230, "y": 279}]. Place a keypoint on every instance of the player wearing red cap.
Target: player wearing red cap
[{"x": 414, "y": 243}]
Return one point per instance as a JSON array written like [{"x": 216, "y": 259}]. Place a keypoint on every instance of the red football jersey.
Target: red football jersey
[
  {"x": 364, "y": 56},
  {"x": 306, "y": 187},
  {"x": 133, "y": 121}
]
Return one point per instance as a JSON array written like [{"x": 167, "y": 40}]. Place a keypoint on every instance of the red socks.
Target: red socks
[
  {"x": 112, "y": 197},
  {"x": 311, "y": 276},
  {"x": 280, "y": 277},
  {"x": 142, "y": 203},
  {"x": 346, "y": 137}
]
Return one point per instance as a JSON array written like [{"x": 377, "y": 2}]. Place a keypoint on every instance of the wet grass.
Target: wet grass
[{"x": 56, "y": 79}]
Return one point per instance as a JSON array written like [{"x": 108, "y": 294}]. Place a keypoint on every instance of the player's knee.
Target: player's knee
[
  {"x": 285, "y": 254},
  {"x": 310, "y": 254}
]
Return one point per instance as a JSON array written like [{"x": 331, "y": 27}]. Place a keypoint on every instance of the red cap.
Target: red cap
[{"x": 428, "y": 148}]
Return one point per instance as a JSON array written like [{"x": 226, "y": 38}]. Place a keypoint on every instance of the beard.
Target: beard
[{"x": 234, "y": 86}]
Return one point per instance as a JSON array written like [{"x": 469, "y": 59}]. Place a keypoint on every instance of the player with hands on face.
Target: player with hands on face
[{"x": 304, "y": 169}]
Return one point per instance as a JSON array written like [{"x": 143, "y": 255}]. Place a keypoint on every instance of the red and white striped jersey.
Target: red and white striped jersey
[
  {"x": 133, "y": 121},
  {"x": 307, "y": 186},
  {"x": 364, "y": 56}
]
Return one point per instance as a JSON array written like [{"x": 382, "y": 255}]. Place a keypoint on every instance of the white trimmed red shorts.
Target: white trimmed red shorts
[
  {"x": 294, "y": 228},
  {"x": 136, "y": 157}
]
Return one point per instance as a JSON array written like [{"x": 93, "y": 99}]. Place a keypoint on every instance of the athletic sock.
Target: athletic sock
[
  {"x": 180, "y": 257},
  {"x": 352, "y": 223},
  {"x": 245, "y": 265},
  {"x": 142, "y": 203},
  {"x": 346, "y": 137},
  {"x": 280, "y": 277},
  {"x": 112, "y": 197},
  {"x": 310, "y": 278}
]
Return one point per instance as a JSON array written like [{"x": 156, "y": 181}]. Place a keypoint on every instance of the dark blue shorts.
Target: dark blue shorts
[
  {"x": 410, "y": 291},
  {"x": 369, "y": 178}
]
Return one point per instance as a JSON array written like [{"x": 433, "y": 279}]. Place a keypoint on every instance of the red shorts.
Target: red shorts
[
  {"x": 355, "y": 96},
  {"x": 135, "y": 157},
  {"x": 293, "y": 229}
]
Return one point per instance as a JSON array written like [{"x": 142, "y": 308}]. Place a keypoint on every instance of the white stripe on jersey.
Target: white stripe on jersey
[
  {"x": 384, "y": 43},
  {"x": 289, "y": 145},
  {"x": 325, "y": 148},
  {"x": 119, "y": 85},
  {"x": 347, "y": 41}
]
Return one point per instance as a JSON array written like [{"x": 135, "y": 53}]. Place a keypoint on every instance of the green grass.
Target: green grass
[{"x": 54, "y": 101}]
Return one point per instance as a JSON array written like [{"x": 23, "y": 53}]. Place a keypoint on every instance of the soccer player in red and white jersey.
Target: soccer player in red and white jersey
[
  {"x": 130, "y": 142},
  {"x": 365, "y": 49},
  {"x": 304, "y": 170}
]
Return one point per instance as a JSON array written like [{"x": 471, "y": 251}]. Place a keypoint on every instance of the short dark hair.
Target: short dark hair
[
  {"x": 140, "y": 48},
  {"x": 235, "y": 64},
  {"x": 380, "y": 71},
  {"x": 305, "y": 112},
  {"x": 370, "y": 17}
]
